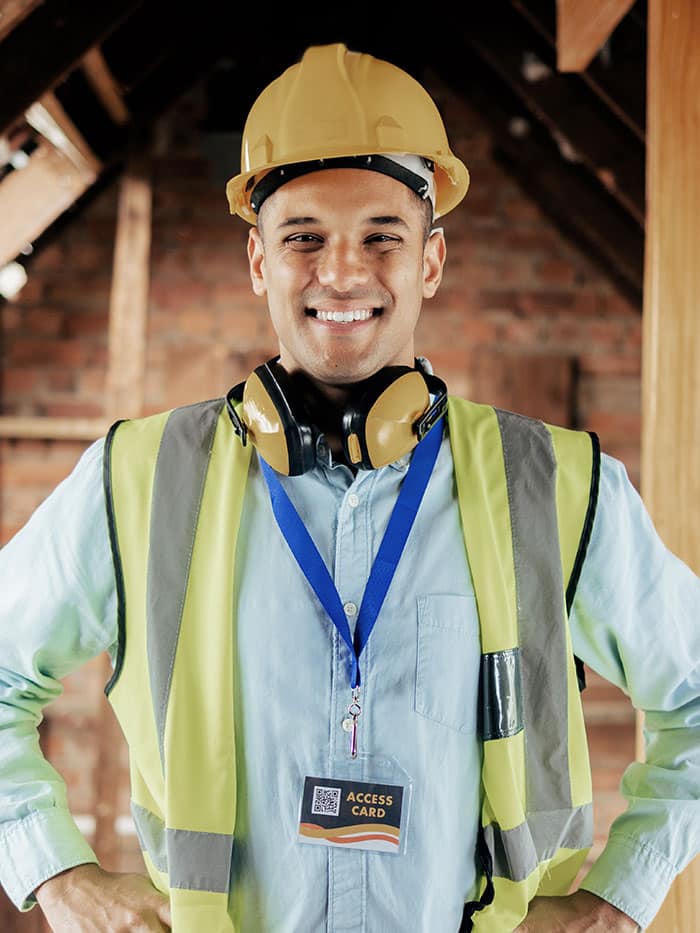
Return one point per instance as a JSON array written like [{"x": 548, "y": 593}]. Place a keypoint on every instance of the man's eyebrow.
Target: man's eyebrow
[
  {"x": 297, "y": 222},
  {"x": 388, "y": 220}
]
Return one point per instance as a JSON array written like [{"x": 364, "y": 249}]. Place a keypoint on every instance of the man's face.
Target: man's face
[{"x": 341, "y": 256}]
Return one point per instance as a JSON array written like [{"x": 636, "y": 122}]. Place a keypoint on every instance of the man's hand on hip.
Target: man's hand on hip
[
  {"x": 87, "y": 899},
  {"x": 580, "y": 912}
]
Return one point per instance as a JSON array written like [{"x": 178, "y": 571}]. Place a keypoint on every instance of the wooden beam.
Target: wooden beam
[
  {"x": 13, "y": 12},
  {"x": 56, "y": 429},
  {"x": 31, "y": 198},
  {"x": 583, "y": 28},
  {"x": 48, "y": 117},
  {"x": 671, "y": 326},
  {"x": 103, "y": 83},
  {"x": 619, "y": 81},
  {"x": 48, "y": 44},
  {"x": 568, "y": 194},
  {"x": 130, "y": 288},
  {"x": 518, "y": 55}
]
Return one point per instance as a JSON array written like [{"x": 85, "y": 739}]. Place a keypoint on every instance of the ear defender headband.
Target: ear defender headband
[{"x": 392, "y": 413}]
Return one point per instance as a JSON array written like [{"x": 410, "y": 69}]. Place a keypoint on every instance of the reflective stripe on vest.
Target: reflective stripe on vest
[{"x": 524, "y": 492}]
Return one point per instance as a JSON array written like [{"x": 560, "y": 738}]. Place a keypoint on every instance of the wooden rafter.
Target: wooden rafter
[
  {"x": 587, "y": 214},
  {"x": 130, "y": 288},
  {"x": 105, "y": 86},
  {"x": 33, "y": 197},
  {"x": 583, "y": 28},
  {"x": 620, "y": 82},
  {"x": 45, "y": 46},
  {"x": 12, "y": 12},
  {"x": 612, "y": 154},
  {"x": 48, "y": 117}
]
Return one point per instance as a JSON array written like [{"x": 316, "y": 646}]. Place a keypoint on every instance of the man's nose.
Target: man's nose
[{"x": 343, "y": 266}]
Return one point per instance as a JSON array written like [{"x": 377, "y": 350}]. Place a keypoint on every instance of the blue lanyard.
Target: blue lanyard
[{"x": 397, "y": 531}]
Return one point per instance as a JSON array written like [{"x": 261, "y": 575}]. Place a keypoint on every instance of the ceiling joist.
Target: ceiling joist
[
  {"x": 33, "y": 197},
  {"x": 517, "y": 56},
  {"x": 583, "y": 28},
  {"x": 12, "y": 12},
  {"x": 105, "y": 86},
  {"x": 47, "y": 45},
  {"x": 587, "y": 214},
  {"x": 617, "y": 75},
  {"x": 48, "y": 118}
]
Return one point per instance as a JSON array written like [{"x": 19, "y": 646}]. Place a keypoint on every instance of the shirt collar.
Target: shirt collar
[{"x": 324, "y": 457}]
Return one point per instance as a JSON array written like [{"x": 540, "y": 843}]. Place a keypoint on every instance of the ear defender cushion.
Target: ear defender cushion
[
  {"x": 276, "y": 420},
  {"x": 378, "y": 427}
]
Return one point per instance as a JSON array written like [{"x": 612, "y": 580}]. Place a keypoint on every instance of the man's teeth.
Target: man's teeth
[{"x": 345, "y": 317}]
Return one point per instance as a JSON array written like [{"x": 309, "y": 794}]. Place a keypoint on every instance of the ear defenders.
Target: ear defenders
[{"x": 392, "y": 412}]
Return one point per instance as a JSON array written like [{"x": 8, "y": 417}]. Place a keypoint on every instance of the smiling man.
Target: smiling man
[{"x": 348, "y": 611}]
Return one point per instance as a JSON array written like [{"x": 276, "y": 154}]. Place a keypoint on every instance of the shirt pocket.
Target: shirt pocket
[{"x": 447, "y": 665}]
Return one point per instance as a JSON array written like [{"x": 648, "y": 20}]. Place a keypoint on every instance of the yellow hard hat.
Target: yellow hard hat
[{"x": 335, "y": 103}]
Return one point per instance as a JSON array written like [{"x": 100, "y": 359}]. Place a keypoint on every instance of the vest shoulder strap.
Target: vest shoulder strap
[{"x": 573, "y": 454}]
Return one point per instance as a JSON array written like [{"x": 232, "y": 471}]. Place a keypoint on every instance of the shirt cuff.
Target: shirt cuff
[
  {"x": 36, "y": 848},
  {"x": 631, "y": 876}
]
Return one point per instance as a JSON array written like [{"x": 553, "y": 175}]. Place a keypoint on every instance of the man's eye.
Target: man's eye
[
  {"x": 303, "y": 238},
  {"x": 382, "y": 238}
]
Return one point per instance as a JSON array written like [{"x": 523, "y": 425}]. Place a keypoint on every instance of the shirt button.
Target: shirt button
[
  {"x": 353, "y": 500},
  {"x": 350, "y": 609}
]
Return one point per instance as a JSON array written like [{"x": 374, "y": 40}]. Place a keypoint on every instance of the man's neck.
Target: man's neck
[{"x": 326, "y": 406}]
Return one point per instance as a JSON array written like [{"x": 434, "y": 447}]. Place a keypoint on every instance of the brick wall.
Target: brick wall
[{"x": 523, "y": 320}]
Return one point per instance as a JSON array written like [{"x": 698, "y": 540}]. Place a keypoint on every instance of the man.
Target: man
[{"x": 344, "y": 610}]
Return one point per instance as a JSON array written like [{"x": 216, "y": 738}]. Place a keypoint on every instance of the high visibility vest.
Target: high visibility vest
[{"x": 174, "y": 486}]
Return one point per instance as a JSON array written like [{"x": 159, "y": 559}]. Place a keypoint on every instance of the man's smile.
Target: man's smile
[{"x": 343, "y": 317}]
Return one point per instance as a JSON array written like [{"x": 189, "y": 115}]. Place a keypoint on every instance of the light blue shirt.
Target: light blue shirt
[{"x": 634, "y": 621}]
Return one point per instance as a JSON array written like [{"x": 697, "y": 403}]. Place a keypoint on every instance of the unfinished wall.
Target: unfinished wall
[{"x": 523, "y": 320}]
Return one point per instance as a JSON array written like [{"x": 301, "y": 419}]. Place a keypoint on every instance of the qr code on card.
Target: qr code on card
[{"x": 326, "y": 801}]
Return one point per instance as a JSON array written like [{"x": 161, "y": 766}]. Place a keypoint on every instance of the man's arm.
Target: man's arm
[
  {"x": 635, "y": 621},
  {"x": 57, "y": 611}
]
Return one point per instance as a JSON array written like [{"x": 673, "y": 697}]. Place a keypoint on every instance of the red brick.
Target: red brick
[
  {"x": 518, "y": 209},
  {"x": 11, "y": 319},
  {"x": 612, "y": 426},
  {"x": 44, "y": 321},
  {"x": 87, "y": 323},
  {"x": 47, "y": 259},
  {"x": 604, "y": 364},
  {"x": 20, "y": 381},
  {"x": 557, "y": 272},
  {"x": 23, "y": 350},
  {"x": 170, "y": 295},
  {"x": 73, "y": 409},
  {"x": 32, "y": 292},
  {"x": 61, "y": 380}
]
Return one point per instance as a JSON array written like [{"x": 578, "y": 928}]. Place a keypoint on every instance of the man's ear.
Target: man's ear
[
  {"x": 434, "y": 254},
  {"x": 256, "y": 261}
]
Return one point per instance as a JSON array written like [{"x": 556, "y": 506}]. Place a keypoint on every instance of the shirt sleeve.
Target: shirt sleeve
[
  {"x": 57, "y": 611},
  {"x": 636, "y": 622}
]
